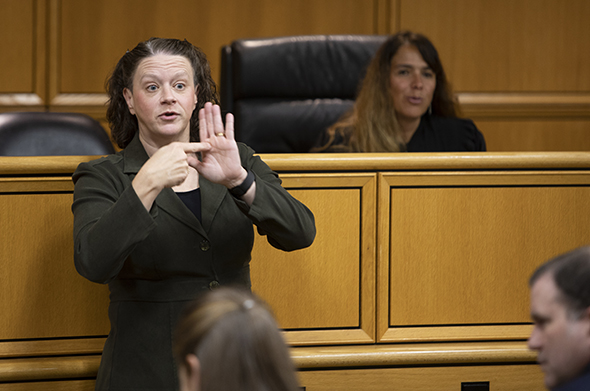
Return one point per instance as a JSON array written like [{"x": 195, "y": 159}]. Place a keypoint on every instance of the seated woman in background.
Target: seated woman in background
[
  {"x": 404, "y": 104},
  {"x": 227, "y": 340}
]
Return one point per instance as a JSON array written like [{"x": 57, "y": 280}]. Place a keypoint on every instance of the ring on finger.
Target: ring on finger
[{"x": 220, "y": 134}]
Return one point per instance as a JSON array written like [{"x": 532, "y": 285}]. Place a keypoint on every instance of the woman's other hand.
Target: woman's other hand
[{"x": 167, "y": 167}]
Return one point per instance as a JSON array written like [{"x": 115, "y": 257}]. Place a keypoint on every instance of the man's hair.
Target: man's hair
[
  {"x": 237, "y": 341},
  {"x": 571, "y": 274}
]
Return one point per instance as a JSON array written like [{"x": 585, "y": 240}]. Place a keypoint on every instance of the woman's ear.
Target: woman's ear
[
  {"x": 128, "y": 95},
  {"x": 190, "y": 374}
]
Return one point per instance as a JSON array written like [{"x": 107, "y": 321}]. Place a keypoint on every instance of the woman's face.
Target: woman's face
[
  {"x": 163, "y": 99},
  {"x": 412, "y": 84}
]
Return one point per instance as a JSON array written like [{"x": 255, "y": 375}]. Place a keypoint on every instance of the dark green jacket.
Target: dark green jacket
[{"x": 155, "y": 262}]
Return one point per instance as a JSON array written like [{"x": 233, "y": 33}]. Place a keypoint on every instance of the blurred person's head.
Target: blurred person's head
[
  {"x": 560, "y": 310},
  {"x": 228, "y": 340}
]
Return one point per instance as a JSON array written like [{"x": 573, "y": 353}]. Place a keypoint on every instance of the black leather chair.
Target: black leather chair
[
  {"x": 50, "y": 133},
  {"x": 284, "y": 91}
]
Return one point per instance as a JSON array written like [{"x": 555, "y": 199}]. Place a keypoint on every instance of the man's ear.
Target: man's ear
[
  {"x": 128, "y": 95},
  {"x": 190, "y": 374}
]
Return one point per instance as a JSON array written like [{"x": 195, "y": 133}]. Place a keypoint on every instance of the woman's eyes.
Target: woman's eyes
[
  {"x": 427, "y": 74},
  {"x": 153, "y": 87}
]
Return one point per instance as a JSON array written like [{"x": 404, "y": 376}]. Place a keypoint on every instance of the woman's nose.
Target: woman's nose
[
  {"x": 167, "y": 95},
  {"x": 417, "y": 81}
]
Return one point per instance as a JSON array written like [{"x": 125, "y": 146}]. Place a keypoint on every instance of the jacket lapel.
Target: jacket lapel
[
  {"x": 211, "y": 198},
  {"x": 211, "y": 194}
]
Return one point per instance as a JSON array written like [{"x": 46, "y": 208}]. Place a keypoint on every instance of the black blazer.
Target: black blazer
[{"x": 155, "y": 262}]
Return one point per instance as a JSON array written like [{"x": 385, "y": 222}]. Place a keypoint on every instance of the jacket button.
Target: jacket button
[
  {"x": 213, "y": 284},
  {"x": 205, "y": 245}
]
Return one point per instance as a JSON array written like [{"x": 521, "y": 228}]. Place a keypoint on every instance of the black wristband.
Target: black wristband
[{"x": 241, "y": 189}]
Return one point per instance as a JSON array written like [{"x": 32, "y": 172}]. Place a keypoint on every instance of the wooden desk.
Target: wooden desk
[{"x": 413, "y": 252}]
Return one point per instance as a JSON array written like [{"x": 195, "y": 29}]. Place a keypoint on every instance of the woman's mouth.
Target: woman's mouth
[
  {"x": 415, "y": 100},
  {"x": 168, "y": 115}
]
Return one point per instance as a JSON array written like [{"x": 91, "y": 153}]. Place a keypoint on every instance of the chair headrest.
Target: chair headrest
[
  {"x": 284, "y": 92},
  {"x": 314, "y": 66},
  {"x": 52, "y": 133}
]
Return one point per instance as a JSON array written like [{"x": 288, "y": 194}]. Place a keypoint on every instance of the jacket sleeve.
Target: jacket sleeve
[
  {"x": 109, "y": 220},
  {"x": 288, "y": 224}
]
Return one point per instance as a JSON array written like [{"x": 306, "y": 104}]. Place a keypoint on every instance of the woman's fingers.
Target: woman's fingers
[
  {"x": 209, "y": 119},
  {"x": 211, "y": 123},
  {"x": 203, "y": 135},
  {"x": 196, "y": 147},
  {"x": 191, "y": 148},
  {"x": 206, "y": 122},
  {"x": 229, "y": 126},
  {"x": 217, "y": 122}
]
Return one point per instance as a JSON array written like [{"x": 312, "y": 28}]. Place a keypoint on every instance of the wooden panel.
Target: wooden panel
[
  {"x": 463, "y": 245},
  {"x": 386, "y": 16},
  {"x": 39, "y": 278},
  {"x": 48, "y": 368},
  {"x": 94, "y": 35},
  {"x": 17, "y": 27},
  {"x": 22, "y": 80},
  {"x": 305, "y": 358},
  {"x": 536, "y": 134},
  {"x": 328, "y": 285},
  {"x": 42, "y": 166},
  {"x": 407, "y": 355},
  {"x": 461, "y": 254},
  {"x": 66, "y": 385},
  {"x": 52, "y": 347},
  {"x": 529, "y": 105},
  {"x": 414, "y": 161},
  {"x": 314, "y": 275},
  {"x": 500, "y": 377},
  {"x": 507, "y": 45}
]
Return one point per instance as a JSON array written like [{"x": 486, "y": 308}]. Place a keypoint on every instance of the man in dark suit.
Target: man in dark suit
[{"x": 560, "y": 309}]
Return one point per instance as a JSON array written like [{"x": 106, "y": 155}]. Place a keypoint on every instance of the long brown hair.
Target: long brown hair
[
  {"x": 122, "y": 123},
  {"x": 371, "y": 126},
  {"x": 237, "y": 341}
]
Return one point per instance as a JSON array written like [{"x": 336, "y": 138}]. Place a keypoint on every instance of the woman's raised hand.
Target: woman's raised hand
[{"x": 221, "y": 163}]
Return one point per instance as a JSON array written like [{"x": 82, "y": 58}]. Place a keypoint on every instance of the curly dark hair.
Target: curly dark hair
[{"x": 122, "y": 123}]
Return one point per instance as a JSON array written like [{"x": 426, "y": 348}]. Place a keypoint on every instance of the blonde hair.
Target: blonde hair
[{"x": 237, "y": 341}]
